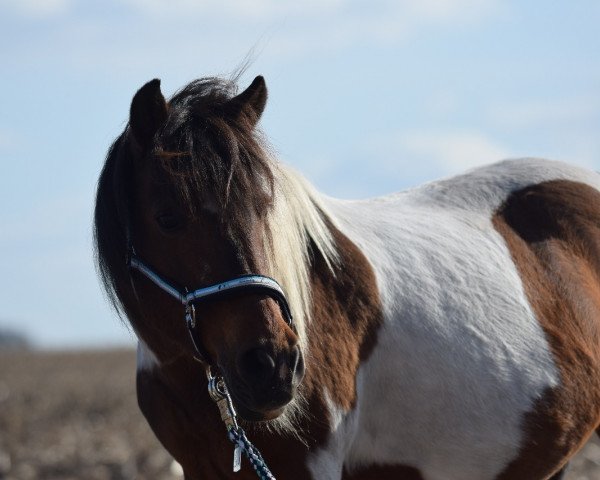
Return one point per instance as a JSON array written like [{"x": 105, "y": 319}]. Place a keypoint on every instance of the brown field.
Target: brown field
[{"x": 74, "y": 416}]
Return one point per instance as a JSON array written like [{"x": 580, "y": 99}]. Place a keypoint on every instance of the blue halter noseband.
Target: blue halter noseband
[{"x": 245, "y": 284}]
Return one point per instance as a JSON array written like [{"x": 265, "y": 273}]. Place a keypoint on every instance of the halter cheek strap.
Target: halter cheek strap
[{"x": 245, "y": 284}]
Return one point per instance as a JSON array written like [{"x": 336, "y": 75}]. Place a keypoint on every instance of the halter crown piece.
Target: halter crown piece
[{"x": 217, "y": 387}]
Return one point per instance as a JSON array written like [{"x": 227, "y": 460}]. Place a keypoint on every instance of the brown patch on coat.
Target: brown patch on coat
[
  {"x": 346, "y": 317},
  {"x": 347, "y": 314},
  {"x": 553, "y": 233}
]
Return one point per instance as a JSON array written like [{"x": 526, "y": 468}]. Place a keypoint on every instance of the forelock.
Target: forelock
[{"x": 205, "y": 154}]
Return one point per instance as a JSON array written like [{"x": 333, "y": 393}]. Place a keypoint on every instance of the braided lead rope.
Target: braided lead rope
[
  {"x": 217, "y": 390},
  {"x": 238, "y": 437}
]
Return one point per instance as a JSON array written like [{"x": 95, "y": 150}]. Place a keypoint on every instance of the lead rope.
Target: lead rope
[{"x": 217, "y": 390}]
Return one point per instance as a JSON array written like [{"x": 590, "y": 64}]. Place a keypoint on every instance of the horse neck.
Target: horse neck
[
  {"x": 342, "y": 333},
  {"x": 345, "y": 315},
  {"x": 334, "y": 287}
]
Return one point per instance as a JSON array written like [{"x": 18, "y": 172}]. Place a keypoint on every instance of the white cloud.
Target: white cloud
[
  {"x": 248, "y": 10},
  {"x": 439, "y": 11},
  {"x": 561, "y": 128},
  {"x": 7, "y": 140},
  {"x": 382, "y": 22},
  {"x": 4, "y": 140},
  {"x": 321, "y": 24},
  {"x": 139, "y": 35},
  {"x": 577, "y": 146},
  {"x": 447, "y": 152},
  {"x": 36, "y": 8},
  {"x": 445, "y": 11},
  {"x": 532, "y": 114},
  {"x": 54, "y": 219},
  {"x": 441, "y": 103}
]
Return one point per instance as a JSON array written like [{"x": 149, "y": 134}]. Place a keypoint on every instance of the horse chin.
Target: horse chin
[
  {"x": 253, "y": 416},
  {"x": 262, "y": 413}
]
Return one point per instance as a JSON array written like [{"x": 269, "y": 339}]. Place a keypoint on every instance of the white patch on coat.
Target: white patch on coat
[
  {"x": 146, "y": 360},
  {"x": 336, "y": 413},
  {"x": 460, "y": 357},
  {"x": 327, "y": 462}
]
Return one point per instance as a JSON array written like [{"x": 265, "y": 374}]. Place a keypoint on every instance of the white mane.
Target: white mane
[{"x": 296, "y": 220}]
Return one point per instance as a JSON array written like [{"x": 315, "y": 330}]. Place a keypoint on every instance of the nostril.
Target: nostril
[{"x": 258, "y": 364}]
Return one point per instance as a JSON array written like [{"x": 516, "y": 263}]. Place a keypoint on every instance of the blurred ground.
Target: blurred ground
[
  {"x": 68, "y": 416},
  {"x": 75, "y": 416}
]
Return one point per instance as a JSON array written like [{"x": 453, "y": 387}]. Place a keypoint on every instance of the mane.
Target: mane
[
  {"x": 204, "y": 156},
  {"x": 297, "y": 232},
  {"x": 297, "y": 227}
]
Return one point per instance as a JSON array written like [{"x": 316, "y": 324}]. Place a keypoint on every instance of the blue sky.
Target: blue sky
[{"x": 366, "y": 98}]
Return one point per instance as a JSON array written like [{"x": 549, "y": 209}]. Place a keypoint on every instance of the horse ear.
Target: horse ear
[
  {"x": 148, "y": 112},
  {"x": 250, "y": 103}
]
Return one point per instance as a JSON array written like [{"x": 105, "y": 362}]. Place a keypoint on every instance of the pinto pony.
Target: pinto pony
[{"x": 450, "y": 332}]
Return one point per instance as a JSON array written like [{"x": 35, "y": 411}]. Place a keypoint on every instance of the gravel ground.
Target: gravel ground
[{"x": 68, "y": 416}]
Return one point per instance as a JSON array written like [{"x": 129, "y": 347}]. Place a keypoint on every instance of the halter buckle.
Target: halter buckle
[{"x": 217, "y": 389}]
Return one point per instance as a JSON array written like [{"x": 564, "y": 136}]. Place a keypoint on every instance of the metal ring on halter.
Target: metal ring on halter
[
  {"x": 190, "y": 322},
  {"x": 216, "y": 386},
  {"x": 217, "y": 389}
]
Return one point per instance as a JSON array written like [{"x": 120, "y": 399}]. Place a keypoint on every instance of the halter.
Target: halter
[
  {"x": 244, "y": 284},
  {"x": 217, "y": 389}
]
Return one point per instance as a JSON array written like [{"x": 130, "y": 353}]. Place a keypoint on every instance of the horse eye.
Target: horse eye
[{"x": 169, "y": 222}]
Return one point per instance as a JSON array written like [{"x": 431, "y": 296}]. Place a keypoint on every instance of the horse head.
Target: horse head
[{"x": 199, "y": 192}]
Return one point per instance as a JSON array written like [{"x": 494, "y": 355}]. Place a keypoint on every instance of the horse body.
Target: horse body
[
  {"x": 450, "y": 332},
  {"x": 461, "y": 357}
]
